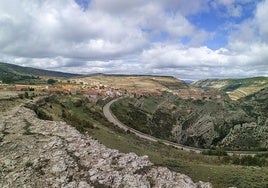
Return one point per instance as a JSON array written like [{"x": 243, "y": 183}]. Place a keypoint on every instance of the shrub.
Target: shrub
[
  {"x": 26, "y": 95},
  {"x": 51, "y": 81},
  {"x": 43, "y": 115},
  {"x": 250, "y": 161},
  {"x": 21, "y": 95},
  {"x": 217, "y": 152}
]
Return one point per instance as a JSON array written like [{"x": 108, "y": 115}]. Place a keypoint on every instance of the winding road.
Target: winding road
[{"x": 112, "y": 118}]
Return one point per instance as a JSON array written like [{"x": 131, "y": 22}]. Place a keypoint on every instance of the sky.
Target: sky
[{"x": 188, "y": 39}]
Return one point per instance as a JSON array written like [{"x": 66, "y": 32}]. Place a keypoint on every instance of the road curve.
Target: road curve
[{"x": 112, "y": 118}]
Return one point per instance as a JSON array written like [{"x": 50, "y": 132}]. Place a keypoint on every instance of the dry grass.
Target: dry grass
[
  {"x": 8, "y": 94},
  {"x": 132, "y": 82},
  {"x": 243, "y": 91}
]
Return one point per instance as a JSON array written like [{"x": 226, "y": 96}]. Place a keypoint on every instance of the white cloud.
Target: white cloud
[
  {"x": 186, "y": 7},
  {"x": 261, "y": 17},
  {"x": 116, "y": 6},
  {"x": 232, "y": 8},
  {"x": 178, "y": 57},
  {"x": 62, "y": 28},
  {"x": 59, "y": 28},
  {"x": 248, "y": 41},
  {"x": 139, "y": 37}
]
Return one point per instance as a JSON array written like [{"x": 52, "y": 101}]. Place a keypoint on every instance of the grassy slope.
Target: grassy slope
[
  {"x": 136, "y": 82},
  {"x": 197, "y": 166},
  {"x": 19, "y": 73},
  {"x": 236, "y": 88}
]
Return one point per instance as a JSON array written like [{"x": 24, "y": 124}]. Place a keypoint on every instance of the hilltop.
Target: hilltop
[
  {"x": 135, "y": 82},
  {"x": 10, "y": 73},
  {"x": 235, "y": 88}
]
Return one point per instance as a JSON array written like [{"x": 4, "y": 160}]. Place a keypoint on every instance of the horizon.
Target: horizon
[
  {"x": 156, "y": 75},
  {"x": 189, "y": 40}
]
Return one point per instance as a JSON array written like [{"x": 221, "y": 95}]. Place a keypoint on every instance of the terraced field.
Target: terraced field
[
  {"x": 243, "y": 92},
  {"x": 235, "y": 88}
]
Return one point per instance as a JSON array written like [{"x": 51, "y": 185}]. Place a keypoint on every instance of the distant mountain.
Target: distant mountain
[
  {"x": 10, "y": 73},
  {"x": 135, "y": 82},
  {"x": 236, "y": 88},
  {"x": 188, "y": 81}
]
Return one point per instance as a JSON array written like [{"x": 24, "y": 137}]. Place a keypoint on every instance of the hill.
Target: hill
[
  {"x": 135, "y": 82},
  {"x": 44, "y": 152},
  {"x": 230, "y": 124},
  {"x": 10, "y": 73},
  {"x": 254, "y": 132},
  {"x": 235, "y": 88}
]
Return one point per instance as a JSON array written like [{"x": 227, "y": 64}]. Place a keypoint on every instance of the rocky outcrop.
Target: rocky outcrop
[
  {"x": 39, "y": 153},
  {"x": 199, "y": 133},
  {"x": 247, "y": 135}
]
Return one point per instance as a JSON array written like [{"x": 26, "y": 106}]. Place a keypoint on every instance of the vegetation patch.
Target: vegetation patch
[
  {"x": 28, "y": 164},
  {"x": 26, "y": 128}
]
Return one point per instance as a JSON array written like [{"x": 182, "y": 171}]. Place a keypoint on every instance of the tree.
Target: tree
[
  {"x": 26, "y": 95},
  {"x": 51, "y": 81}
]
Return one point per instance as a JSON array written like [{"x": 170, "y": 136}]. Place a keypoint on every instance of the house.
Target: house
[{"x": 21, "y": 88}]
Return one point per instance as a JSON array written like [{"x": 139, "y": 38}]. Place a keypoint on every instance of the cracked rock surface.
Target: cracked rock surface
[{"x": 39, "y": 153}]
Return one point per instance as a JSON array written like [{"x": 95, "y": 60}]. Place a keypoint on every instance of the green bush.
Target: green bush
[
  {"x": 43, "y": 115},
  {"x": 51, "y": 81},
  {"x": 216, "y": 152},
  {"x": 245, "y": 160},
  {"x": 250, "y": 161}
]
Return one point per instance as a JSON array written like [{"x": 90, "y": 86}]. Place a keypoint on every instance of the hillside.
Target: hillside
[
  {"x": 135, "y": 82},
  {"x": 235, "y": 88},
  {"x": 10, "y": 73},
  {"x": 255, "y": 132},
  {"x": 40, "y": 153},
  {"x": 234, "y": 125}
]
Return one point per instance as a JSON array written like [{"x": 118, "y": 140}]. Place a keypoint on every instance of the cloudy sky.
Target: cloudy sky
[{"x": 189, "y": 39}]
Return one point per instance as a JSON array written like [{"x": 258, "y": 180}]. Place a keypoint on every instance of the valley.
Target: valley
[
  {"x": 113, "y": 119},
  {"x": 134, "y": 94},
  {"x": 187, "y": 128},
  {"x": 88, "y": 119},
  {"x": 203, "y": 124}
]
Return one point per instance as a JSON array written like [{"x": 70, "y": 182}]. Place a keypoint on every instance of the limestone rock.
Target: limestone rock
[{"x": 39, "y": 153}]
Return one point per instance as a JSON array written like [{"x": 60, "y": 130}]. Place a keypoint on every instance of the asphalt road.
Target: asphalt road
[{"x": 111, "y": 117}]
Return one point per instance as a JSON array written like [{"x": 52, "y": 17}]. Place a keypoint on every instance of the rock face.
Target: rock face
[{"x": 39, "y": 153}]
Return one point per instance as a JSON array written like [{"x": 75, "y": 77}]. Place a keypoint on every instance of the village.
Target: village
[{"x": 98, "y": 91}]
